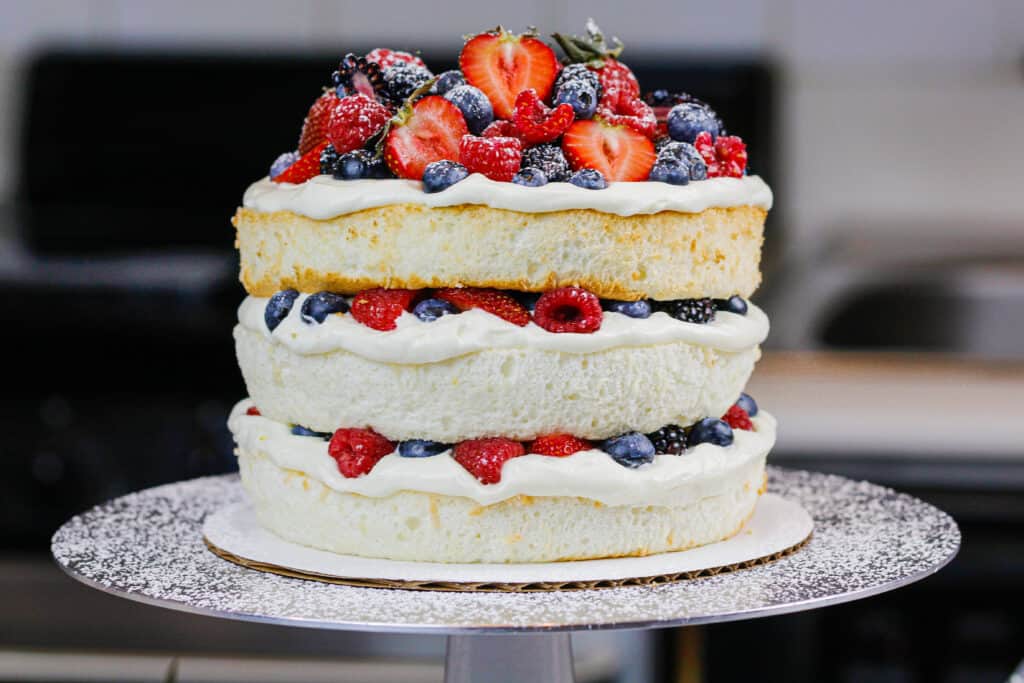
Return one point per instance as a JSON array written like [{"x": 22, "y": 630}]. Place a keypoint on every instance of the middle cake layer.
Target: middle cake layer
[{"x": 475, "y": 375}]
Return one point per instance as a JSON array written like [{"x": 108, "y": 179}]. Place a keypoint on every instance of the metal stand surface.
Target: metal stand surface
[{"x": 147, "y": 546}]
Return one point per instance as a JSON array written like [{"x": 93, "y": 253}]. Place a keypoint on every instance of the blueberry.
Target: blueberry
[
  {"x": 449, "y": 80},
  {"x": 419, "y": 448},
  {"x": 588, "y": 179},
  {"x": 748, "y": 404},
  {"x": 430, "y": 310},
  {"x": 670, "y": 170},
  {"x": 352, "y": 165},
  {"x": 530, "y": 177},
  {"x": 341, "y": 91},
  {"x": 580, "y": 95},
  {"x": 634, "y": 309},
  {"x": 631, "y": 449},
  {"x": 550, "y": 160},
  {"x": 709, "y": 430},
  {"x": 282, "y": 162},
  {"x": 299, "y": 430},
  {"x": 278, "y": 307},
  {"x": 685, "y": 152},
  {"x": 686, "y": 120},
  {"x": 318, "y": 306},
  {"x": 734, "y": 304},
  {"x": 440, "y": 175},
  {"x": 474, "y": 105}
]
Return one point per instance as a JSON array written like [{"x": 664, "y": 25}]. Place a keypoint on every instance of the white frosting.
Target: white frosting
[
  {"x": 703, "y": 471},
  {"x": 415, "y": 341},
  {"x": 324, "y": 197}
]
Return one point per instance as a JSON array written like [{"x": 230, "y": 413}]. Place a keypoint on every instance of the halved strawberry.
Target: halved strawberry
[
  {"x": 314, "y": 127},
  {"x": 490, "y": 300},
  {"x": 305, "y": 168},
  {"x": 429, "y": 131},
  {"x": 618, "y": 152},
  {"x": 535, "y": 123},
  {"x": 503, "y": 65}
]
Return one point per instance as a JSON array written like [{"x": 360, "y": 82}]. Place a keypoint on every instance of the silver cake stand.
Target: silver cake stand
[{"x": 147, "y": 546}]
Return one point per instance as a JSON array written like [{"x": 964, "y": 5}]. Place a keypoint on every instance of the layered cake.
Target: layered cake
[{"x": 502, "y": 314}]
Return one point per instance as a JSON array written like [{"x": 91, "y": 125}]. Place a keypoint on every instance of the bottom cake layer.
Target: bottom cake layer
[{"x": 429, "y": 527}]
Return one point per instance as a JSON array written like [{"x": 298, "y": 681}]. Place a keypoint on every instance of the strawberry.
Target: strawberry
[
  {"x": 500, "y": 129},
  {"x": 617, "y": 80},
  {"x": 357, "y": 451},
  {"x": 559, "y": 445},
  {"x": 737, "y": 418},
  {"x": 252, "y": 410},
  {"x": 314, "y": 127},
  {"x": 379, "y": 308},
  {"x": 497, "y": 158},
  {"x": 305, "y": 168},
  {"x": 354, "y": 120},
  {"x": 726, "y": 155},
  {"x": 489, "y": 300},
  {"x": 535, "y": 123},
  {"x": 618, "y": 152},
  {"x": 385, "y": 57},
  {"x": 568, "y": 309},
  {"x": 428, "y": 131},
  {"x": 503, "y": 65},
  {"x": 631, "y": 112},
  {"x": 484, "y": 458}
]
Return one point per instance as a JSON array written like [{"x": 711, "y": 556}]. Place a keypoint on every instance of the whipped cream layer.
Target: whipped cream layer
[
  {"x": 703, "y": 471},
  {"x": 415, "y": 341},
  {"x": 323, "y": 197}
]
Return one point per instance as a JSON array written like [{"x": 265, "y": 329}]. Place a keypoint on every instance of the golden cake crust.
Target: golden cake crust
[{"x": 667, "y": 255}]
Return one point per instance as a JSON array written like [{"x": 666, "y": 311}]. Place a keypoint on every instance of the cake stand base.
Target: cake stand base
[{"x": 509, "y": 658}]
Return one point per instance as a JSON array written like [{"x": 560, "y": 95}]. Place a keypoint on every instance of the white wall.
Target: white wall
[{"x": 911, "y": 110}]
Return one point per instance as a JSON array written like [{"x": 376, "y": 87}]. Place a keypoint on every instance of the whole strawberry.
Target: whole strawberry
[
  {"x": 380, "y": 308},
  {"x": 314, "y": 127},
  {"x": 497, "y": 158},
  {"x": 559, "y": 445},
  {"x": 354, "y": 120},
  {"x": 357, "y": 451},
  {"x": 490, "y": 300},
  {"x": 305, "y": 168},
  {"x": 485, "y": 458}
]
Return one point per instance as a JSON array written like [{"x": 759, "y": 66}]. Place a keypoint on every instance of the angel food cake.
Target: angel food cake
[{"x": 502, "y": 314}]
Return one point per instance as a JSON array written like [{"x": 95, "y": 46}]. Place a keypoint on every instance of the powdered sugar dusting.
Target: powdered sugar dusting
[{"x": 148, "y": 546}]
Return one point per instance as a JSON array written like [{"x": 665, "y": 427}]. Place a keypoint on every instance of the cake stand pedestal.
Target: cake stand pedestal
[{"x": 148, "y": 546}]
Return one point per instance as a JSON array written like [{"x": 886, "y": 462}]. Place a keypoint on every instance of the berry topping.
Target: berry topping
[
  {"x": 734, "y": 304},
  {"x": 307, "y": 166},
  {"x": 503, "y": 65},
  {"x": 379, "y": 308},
  {"x": 484, "y": 458},
  {"x": 448, "y": 80},
  {"x": 354, "y": 120},
  {"x": 690, "y": 310},
  {"x": 317, "y": 307},
  {"x": 588, "y": 179},
  {"x": 490, "y": 300},
  {"x": 252, "y": 410},
  {"x": 737, "y": 418},
  {"x": 497, "y": 158},
  {"x": 709, "y": 430},
  {"x": 670, "y": 439},
  {"x": 748, "y": 404},
  {"x": 726, "y": 156},
  {"x": 686, "y": 121},
  {"x": 634, "y": 309},
  {"x": 559, "y": 445},
  {"x": 440, "y": 175},
  {"x": 568, "y": 309},
  {"x": 357, "y": 451},
  {"x": 430, "y": 310},
  {"x": 548, "y": 159},
  {"x": 474, "y": 105},
  {"x": 358, "y": 75},
  {"x": 314, "y": 128},
  {"x": 601, "y": 57},
  {"x": 536, "y": 123},
  {"x": 282, "y": 162},
  {"x": 687, "y": 153},
  {"x": 500, "y": 129},
  {"x": 402, "y": 79},
  {"x": 670, "y": 170},
  {"x": 420, "y": 448},
  {"x": 580, "y": 95},
  {"x": 618, "y": 152},
  {"x": 428, "y": 131},
  {"x": 530, "y": 177},
  {"x": 278, "y": 308},
  {"x": 632, "y": 449},
  {"x": 631, "y": 112},
  {"x": 384, "y": 57},
  {"x": 299, "y": 430}
]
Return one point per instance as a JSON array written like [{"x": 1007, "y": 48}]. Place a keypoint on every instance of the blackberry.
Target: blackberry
[
  {"x": 328, "y": 159},
  {"x": 669, "y": 439},
  {"x": 578, "y": 72},
  {"x": 690, "y": 310},
  {"x": 355, "y": 74},
  {"x": 549, "y": 160},
  {"x": 401, "y": 79}
]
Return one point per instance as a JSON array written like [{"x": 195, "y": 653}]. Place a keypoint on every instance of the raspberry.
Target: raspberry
[
  {"x": 669, "y": 439},
  {"x": 737, "y": 418},
  {"x": 490, "y": 300},
  {"x": 569, "y": 309},
  {"x": 559, "y": 445},
  {"x": 354, "y": 120},
  {"x": 357, "y": 450},
  {"x": 726, "y": 156},
  {"x": 484, "y": 458},
  {"x": 252, "y": 410},
  {"x": 500, "y": 129},
  {"x": 379, "y": 308},
  {"x": 631, "y": 112},
  {"x": 497, "y": 158},
  {"x": 536, "y": 123}
]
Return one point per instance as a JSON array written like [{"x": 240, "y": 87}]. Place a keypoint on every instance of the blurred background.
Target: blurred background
[{"x": 891, "y": 132}]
